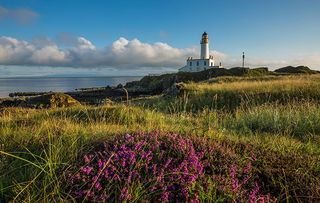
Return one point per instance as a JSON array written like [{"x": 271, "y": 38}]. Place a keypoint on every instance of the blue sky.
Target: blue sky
[{"x": 273, "y": 33}]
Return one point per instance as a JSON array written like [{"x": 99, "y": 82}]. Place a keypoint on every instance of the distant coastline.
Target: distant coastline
[
  {"x": 67, "y": 76},
  {"x": 58, "y": 84}
]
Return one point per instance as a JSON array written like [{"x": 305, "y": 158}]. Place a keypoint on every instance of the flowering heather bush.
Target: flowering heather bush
[{"x": 162, "y": 167}]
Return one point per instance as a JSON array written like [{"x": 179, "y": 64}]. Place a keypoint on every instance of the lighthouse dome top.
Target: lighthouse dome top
[{"x": 204, "y": 39}]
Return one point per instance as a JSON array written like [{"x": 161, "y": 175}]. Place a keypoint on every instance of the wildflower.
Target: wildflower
[
  {"x": 192, "y": 178},
  {"x": 165, "y": 197},
  {"x": 253, "y": 157},
  {"x": 253, "y": 193},
  {"x": 116, "y": 177},
  {"x": 128, "y": 136},
  {"x": 98, "y": 186},
  {"x": 170, "y": 166},
  {"x": 248, "y": 168},
  {"x": 100, "y": 163},
  {"x": 233, "y": 171},
  {"x": 185, "y": 193},
  {"x": 235, "y": 185},
  {"x": 87, "y": 170},
  {"x": 167, "y": 163},
  {"x": 195, "y": 199},
  {"x": 87, "y": 159},
  {"x": 124, "y": 194}
]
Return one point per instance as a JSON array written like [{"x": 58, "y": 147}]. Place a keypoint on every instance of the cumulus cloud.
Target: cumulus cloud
[
  {"x": 136, "y": 53},
  {"x": 219, "y": 57},
  {"x": 311, "y": 60},
  {"x": 256, "y": 62},
  {"x": 122, "y": 54},
  {"x": 20, "y": 52},
  {"x": 19, "y": 15}
]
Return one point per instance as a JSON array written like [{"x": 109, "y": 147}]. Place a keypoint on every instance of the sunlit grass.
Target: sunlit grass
[{"x": 279, "y": 120}]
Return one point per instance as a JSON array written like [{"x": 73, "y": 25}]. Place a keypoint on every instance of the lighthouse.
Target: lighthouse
[
  {"x": 205, "y": 61},
  {"x": 204, "y": 46}
]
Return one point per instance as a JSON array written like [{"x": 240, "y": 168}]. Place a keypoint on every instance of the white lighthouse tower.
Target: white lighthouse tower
[
  {"x": 205, "y": 61},
  {"x": 204, "y": 46}
]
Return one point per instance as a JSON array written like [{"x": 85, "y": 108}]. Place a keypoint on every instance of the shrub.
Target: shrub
[
  {"x": 298, "y": 69},
  {"x": 52, "y": 100},
  {"x": 166, "y": 167}
]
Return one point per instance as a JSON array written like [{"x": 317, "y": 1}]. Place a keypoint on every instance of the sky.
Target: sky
[{"x": 138, "y": 37}]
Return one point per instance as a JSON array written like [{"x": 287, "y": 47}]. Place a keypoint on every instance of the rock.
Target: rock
[
  {"x": 53, "y": 100},
  {"x": 174, "y": 90}
]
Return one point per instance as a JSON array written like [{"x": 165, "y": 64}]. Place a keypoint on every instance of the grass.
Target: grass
[
  {"x": 277, "y": 119},
  {"x": 241, "y": 92}
]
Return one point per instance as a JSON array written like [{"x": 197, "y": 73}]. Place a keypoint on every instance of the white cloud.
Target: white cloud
[
  {"x": 219, "y": 57},
  {"x": 13, "y": 50},
  {"x": 122, "y": 54},
  {"x": 310, "y": 60},
  {"x": 136, "y": 53},
  {"x": 256, "y": 62},
  {"x": 84, "y": 44},
  {"x": 47, "y": 55}
]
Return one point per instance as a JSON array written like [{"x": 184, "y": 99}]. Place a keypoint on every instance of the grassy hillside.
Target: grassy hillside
[
  {"x": 231, "y": 93},
  {"x": 157, "y": 84},
  {"x": 295, "y": 70},
  {"x": 223, "y": 139}
]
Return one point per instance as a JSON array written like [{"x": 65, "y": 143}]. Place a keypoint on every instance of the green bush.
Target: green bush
[{"x": 298, "y": 69}]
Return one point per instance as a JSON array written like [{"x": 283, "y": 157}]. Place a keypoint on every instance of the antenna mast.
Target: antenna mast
[{"x": 243, "y": 59}]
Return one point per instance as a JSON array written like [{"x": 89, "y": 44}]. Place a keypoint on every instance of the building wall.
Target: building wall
[
  {"x": 200, "y": 62},
  {"x": 195, "y": 65}
]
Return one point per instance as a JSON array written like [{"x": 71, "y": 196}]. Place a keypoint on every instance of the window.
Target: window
[
  {"x": 205, "y": 63},
  {"x": 211, "y": 64},
  {"x": 190, "y": 63},
  {"x": 197, "y": 63}
]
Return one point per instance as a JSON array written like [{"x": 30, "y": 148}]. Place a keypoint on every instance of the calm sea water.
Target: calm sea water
[{"x": 59, "y": 84}]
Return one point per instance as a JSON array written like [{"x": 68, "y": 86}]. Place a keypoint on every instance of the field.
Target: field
[{"x": 229, "y": 138}]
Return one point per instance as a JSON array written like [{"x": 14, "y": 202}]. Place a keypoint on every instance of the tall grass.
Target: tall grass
[
  {"x": 277, "y": 120},
  {"x": 300, "y": 120},
  {"x": 240, "y": 93},
  {"x": 230, "y": 96}
]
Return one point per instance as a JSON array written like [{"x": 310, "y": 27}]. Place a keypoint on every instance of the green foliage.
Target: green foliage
[{"x": 298, "y": 69}]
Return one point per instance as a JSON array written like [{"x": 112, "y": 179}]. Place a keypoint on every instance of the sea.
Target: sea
[{"x": 58, "y": 84}]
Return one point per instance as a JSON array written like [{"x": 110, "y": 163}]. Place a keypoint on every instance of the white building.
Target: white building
[{"x": 205, "y": 62}]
